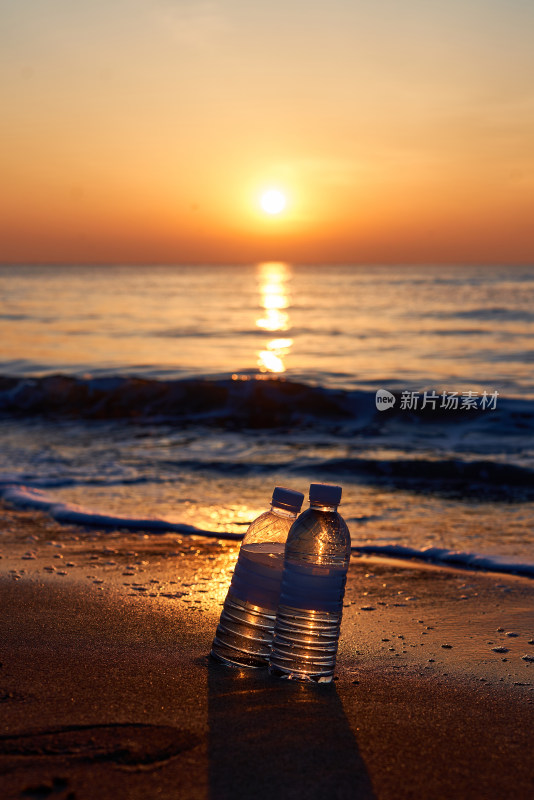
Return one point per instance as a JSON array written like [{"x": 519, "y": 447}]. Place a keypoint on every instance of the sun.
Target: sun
[{"x": 273, "y": 201}]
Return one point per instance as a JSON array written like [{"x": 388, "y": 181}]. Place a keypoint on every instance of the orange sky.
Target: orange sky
[{"x": 145, "y": 131}]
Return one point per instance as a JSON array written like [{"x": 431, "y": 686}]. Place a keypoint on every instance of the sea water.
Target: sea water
[{"x": 150, "y": 392}]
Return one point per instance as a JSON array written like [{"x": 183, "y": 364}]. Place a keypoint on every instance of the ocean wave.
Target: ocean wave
[
  {"x": 69, "y": 481},
  {"x": 483, "y": 479},
  {"x": 243, "y": 401},
  {"x": 247, "y": 402},
  {"x": 500, "y": 313},
  {"x": 25, "y": 497}
]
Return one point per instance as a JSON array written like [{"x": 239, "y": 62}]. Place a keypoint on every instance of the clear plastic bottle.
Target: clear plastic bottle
[
  {"x": 245, "y": 631},
  {"x": 308, "y": 618}
]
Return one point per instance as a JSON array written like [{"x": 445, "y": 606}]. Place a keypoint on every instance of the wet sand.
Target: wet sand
[{"x": 106, "y": 687}]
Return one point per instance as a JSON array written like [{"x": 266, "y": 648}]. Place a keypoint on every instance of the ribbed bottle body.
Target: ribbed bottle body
[
  {"x": 308, "y": 619},
  {"x": 245, "y": 630}
]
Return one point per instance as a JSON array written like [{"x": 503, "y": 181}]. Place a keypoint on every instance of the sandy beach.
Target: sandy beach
[{"x": 106, "y": 686}]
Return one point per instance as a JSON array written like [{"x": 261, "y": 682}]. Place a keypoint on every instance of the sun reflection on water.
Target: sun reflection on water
[{"x": 274, "y": 277}]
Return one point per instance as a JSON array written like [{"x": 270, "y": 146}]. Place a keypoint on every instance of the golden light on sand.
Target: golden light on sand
[
  {"x": 273, "y": 201},
  {"x": 274, "y": 301}
]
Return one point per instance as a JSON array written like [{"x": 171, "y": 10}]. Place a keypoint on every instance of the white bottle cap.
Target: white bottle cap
[
  {"x": 325, "y": 494},
  {"x": 287, "y": 498}
]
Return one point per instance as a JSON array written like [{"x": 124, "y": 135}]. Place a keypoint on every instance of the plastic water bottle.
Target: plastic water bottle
[
  {"x": 308, "y": 618},
  {"x": 245, "y": 631}
]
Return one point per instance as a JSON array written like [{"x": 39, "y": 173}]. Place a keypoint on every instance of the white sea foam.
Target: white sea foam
[
  {"x": 455, "y": 558},
  {"x": 68, "y": 513}
]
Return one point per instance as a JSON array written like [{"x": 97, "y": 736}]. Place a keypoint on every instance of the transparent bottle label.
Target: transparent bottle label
[
  {"x": 258, "y": 575},
  {"x": 313, "y": 587}
]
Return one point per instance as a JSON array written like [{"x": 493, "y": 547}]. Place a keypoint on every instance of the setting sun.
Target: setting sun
[
  {"x": 273, "y": 201},
  {"x": 329, "y": 156}
]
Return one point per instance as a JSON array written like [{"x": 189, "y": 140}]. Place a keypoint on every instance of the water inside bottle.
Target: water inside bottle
[
  {"x": 245, "y": 629},
  {"x": 316, "y": 587},
  {"x": 258, "y": 575}
]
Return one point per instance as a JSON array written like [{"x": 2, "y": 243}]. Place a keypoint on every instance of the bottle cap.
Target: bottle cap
[
  {"x": 287, "y": 498},
  {"x": 325, "y": 494}
]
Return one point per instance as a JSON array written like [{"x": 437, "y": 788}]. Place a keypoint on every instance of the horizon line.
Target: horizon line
[{"x": 192, "y": 263}]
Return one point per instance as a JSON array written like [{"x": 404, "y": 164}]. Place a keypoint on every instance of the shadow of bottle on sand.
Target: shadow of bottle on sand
[{"x": 280, "y": 740}]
